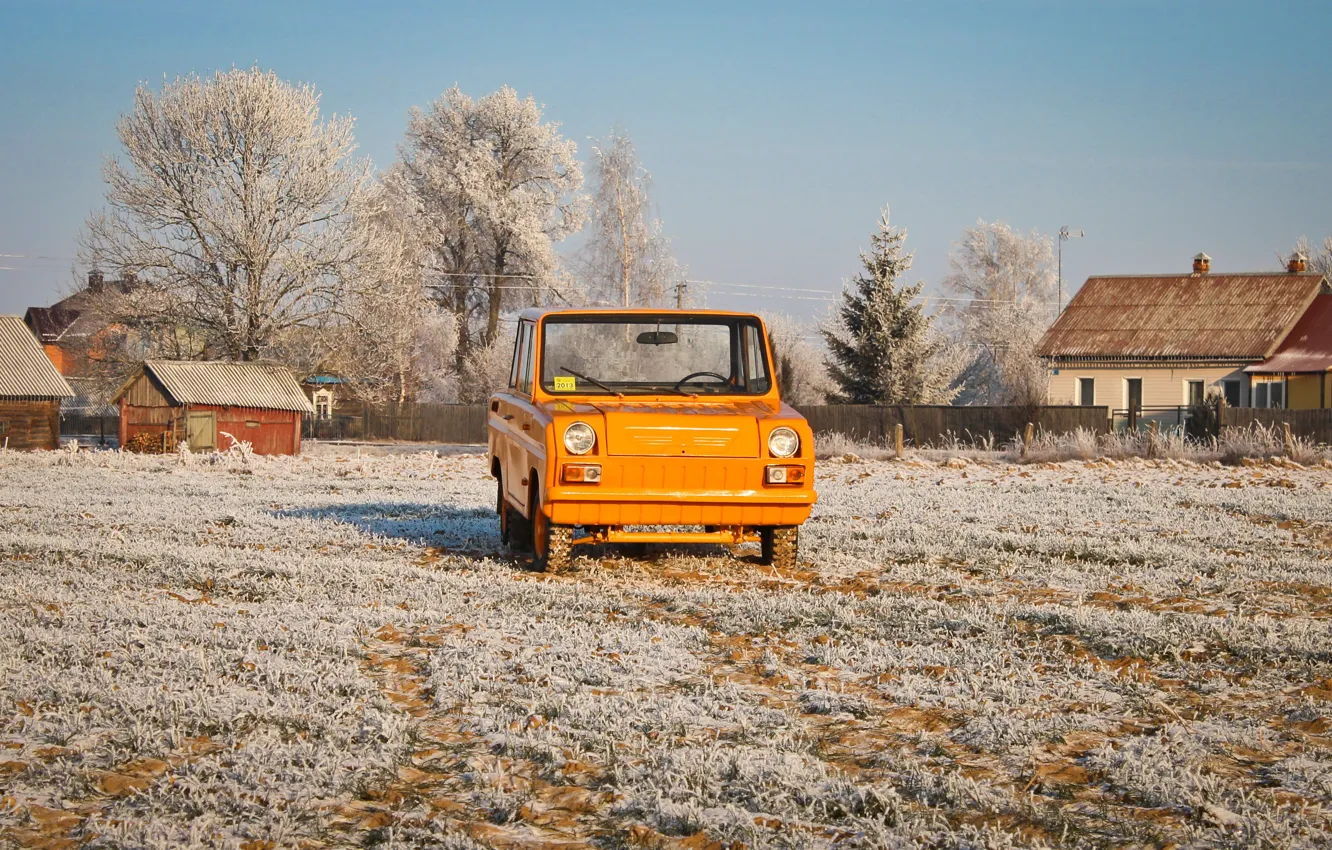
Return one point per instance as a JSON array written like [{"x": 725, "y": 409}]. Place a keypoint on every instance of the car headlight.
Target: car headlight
[
  {"x": 579, "y": 438},
  {"x": 783, "y": 442}
]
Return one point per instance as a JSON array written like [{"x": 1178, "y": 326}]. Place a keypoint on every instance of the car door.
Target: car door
[{"x": 515, "y": 414}]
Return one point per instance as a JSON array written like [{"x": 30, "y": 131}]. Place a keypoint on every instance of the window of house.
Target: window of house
[
  {"x": 1086, "y": 391},
  {"x": 1193, "y": 392},
  {"x": 1231, "y": 391},
  {"x": 1260, "y": 394},
  {"x": 1276, "y": 394},
  {"x": 323, "y": 404}
]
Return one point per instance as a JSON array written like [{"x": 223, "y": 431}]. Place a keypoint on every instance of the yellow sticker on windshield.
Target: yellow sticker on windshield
[{"x": 565, "y": 382}]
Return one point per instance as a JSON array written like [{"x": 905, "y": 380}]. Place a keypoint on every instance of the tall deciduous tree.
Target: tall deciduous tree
[
  {"x": 881, "y": 346},
  {"x": 1005, "y": 282},
  {"x": 230, "y": 206},
  {"x": 491, "y": 187},
  {"x": 627, "y": 260}
]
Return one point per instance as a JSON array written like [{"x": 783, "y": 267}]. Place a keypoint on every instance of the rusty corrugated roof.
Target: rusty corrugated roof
[
  {"x": 25, "y": 370},
  {"x": 1308, "y": 346},
  {"x": 264, "y": 385},
  {"x": 1224, "y": 316}
]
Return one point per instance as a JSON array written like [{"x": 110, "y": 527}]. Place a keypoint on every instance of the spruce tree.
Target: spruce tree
[{"x": 881, "y": 348}]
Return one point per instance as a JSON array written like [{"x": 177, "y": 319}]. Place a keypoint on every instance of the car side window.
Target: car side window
[
  {"x": 756, "y": 369},
  {"x": 516, "y": 367},
  {"x": 525, "y": 364}
]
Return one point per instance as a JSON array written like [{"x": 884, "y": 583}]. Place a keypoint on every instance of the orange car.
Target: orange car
[{"x": 647, "y": 426}]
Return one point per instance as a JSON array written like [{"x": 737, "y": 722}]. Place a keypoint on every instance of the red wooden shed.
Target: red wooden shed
[
  {"x": 30, "y": 390},
  {"x": 213, "y": 405}
]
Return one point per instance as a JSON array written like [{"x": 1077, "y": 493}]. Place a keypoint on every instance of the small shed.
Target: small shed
[
  {"x": 213, "y": 405},
  {"x": 31, "y": 389}
]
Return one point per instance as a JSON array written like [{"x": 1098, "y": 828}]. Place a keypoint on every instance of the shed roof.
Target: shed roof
[
  {"x": 25, "y": 370},
  {"x": 1223, "y": 316},
  {"x": 263, "y": 385},
  {"x": 1308, "y": 346}
]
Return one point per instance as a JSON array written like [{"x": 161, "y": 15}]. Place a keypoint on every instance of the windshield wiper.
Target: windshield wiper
[{"x": 591, "y": 381}]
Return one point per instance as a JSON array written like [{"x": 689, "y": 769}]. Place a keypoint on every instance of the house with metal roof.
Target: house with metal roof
[
  {"x": 1158, "y": 343},
  {"x": 31, "y": 389},
  {"x": 213, "y": 405}
]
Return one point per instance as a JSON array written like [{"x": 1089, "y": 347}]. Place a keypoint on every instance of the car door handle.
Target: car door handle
[
  {"x": 508, "y": 416},
  {"x": 527, "y": 426}
]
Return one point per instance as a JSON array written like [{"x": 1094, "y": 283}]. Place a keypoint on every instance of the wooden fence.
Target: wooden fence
[
  {"x": 1314, "y": 424},
  {"x": 464, "y": 423},
  {"x": 931, "y": 424}
]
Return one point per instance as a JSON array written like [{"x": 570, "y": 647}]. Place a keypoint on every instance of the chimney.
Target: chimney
[
  {"x": 1298, "y": 263},
  {"x": 127, "y": 281},
  {"x": 95, "y": 281},
  {"x": 1202, "y": 264}
]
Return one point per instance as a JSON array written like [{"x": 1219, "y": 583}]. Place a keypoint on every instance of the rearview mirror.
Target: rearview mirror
[{"x": 657, "y": 338}]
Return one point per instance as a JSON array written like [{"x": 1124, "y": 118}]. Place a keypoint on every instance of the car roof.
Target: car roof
[{"x": 537, "y": 313}]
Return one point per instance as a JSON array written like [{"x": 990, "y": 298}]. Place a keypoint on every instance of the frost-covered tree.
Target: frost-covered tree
[
  {"x": 802, "y": 376},
  {"x": 1005, "y": 285},
  {"x": 882, "y": 348},
  {"x": 627, "y": 260},
  {"x": 491, "y": 187},
  {"x": 390, "y": 340},
  {"x": 231, "y": 206},
  {"x": 487, "y": 370}
]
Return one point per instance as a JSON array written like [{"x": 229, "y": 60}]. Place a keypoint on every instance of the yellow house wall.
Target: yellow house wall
[
  {"x": 1162, "y": 386},
  {"x": 1303, "y": 390}
]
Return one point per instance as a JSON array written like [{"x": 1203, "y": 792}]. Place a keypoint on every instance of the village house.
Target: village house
[
  {"x": 69, "y": 329},
  {"x": 1156, "y": 344},
  {"x": 31, "y": 390},
  {"x": 213, "y": 405}
]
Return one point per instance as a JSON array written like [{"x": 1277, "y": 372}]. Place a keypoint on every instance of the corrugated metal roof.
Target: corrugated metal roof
[
  {"x": 1224, "y": 316},
  {"x": 1308, "y": 346},
  {"x": 25, "y": 370},
  {"x": 266, "y": 385}
]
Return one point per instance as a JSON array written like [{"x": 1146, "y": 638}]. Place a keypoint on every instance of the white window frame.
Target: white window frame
[
  {"x": 1077, "y": 390},
  {"x": 1187, "y": 382},
  {"x": 323, "y": 405}
]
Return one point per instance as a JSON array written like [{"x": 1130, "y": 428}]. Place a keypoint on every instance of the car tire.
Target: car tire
[
  {"x": 502, "y": 508},
  {"x": 780, "y": 546},
  {"x": 552, "y": 544}
]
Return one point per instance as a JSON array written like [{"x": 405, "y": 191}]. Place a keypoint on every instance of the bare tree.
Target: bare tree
[
  {"x": 801, "y": 375},
  {"x": 491, "y": 188},
  {"x": 1006, "y": 285},
  {"x": 627, "y": 260},
  {"x": 231, "y": 208}
]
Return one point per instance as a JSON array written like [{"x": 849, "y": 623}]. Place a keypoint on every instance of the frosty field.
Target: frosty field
[{"x": 334, "y": 651}]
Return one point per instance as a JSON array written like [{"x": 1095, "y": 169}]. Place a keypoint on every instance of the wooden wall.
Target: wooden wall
[{"x": 30, "y": 424}]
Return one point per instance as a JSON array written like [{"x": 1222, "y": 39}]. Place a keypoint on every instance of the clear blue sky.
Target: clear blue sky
[{"x": 774, "y": 131}]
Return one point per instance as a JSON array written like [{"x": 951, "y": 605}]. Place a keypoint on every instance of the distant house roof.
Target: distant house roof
[
  {"x": 1222, "y": 316},
  {"x": 25, "y": 370},
  {"x": 69, "y": 317},
  {"x": 264, "y": 385},
  {"x": 324, "y": 379},
  {"x": 1308, "y": 346}
]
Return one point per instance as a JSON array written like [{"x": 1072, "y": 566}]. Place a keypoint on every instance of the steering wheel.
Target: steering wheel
[{"x": 686, "y": 378}]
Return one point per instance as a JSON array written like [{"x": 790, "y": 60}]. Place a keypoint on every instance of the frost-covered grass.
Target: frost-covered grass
[{"x": 333, "y": 651}]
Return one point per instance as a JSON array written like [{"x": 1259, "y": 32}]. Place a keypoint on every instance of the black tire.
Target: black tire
[
  {"x": 553, "y": 545},
  {"x": 781, "y": 547},
  {"x": 502, "y": 508},
  {"x": 637, "y": 551}
]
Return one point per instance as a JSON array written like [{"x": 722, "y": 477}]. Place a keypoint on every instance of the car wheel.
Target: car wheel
[
  {"x": 502, "y": 508},
  {"x": 552, "y": 544},
  {"x": 781, "y": 546}
]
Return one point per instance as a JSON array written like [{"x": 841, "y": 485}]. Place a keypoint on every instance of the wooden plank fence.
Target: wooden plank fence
[
  {"x": 1314, "y": 424},
  {"x": 932, "y": 424}
]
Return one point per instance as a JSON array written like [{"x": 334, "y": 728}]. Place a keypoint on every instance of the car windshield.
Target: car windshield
[{"x": 672, "y": 355}]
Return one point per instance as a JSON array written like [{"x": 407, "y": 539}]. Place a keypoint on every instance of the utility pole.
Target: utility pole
[
  {"x": 679, "y": 294},
  {"x": 1064, "y": 236}
]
